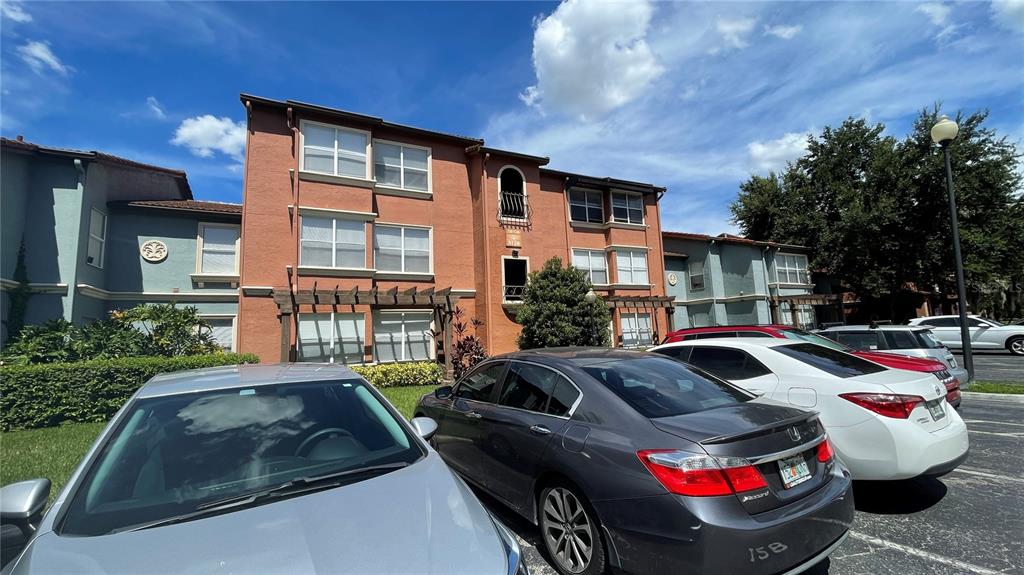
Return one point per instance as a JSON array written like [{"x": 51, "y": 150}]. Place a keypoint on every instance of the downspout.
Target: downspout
[
  {"x": 772, "y": 314},
  {"x": 73, "y": 284},
  {"x": 669, "y": 317},
  {"x": 293, "y": 278},
  {"x": 239, "y": 332},
  {"x": 714, "y": 297},
  {"x": 568, "y": 220},
  {"x": 487, "y": 245}
]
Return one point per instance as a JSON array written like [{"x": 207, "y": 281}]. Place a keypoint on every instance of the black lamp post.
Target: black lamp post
[{"x": 943, "y": 133}]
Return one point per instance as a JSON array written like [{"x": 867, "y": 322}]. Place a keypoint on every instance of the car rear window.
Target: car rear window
[
  {"x": 829, "y": 360},
  {"x": 662, "y": 387},
  {"x": 927, "y": 340},
  {"x": 801, "y": 335},
  {"x": 901, "y": 339}
]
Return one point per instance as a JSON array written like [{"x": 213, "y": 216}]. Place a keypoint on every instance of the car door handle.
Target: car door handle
[
  {"x": 473, "y": 415},
  {"x": 540, "y": 430}
]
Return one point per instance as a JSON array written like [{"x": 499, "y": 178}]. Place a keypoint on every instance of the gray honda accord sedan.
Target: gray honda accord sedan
[
  {"x": 259, "y": 469},
  {"x": 637, "y": 463}
]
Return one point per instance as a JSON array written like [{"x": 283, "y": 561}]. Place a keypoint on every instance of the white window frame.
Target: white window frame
[
  {"x": 503, "y": 283},
  {"x": 701, "y": 275},
  {"x": 101, "y": 240},
  {"x": 632, "y": 268},
  {"x": 780, "y": 259},
  {"x": 367, "y": 154},
  {"x": 433, "y": 326},
  {"x": 200, "y": 246},
  {"x": 402, "y": 147},
  {"x": 334, "y": 241},
  {"x": 586, "y": 204},
  {"x": 403, "y": 227},
  {"x": 627, "y": 197},
  {"x": 591, "y": 254},
  {"x": 234, "y": 325},
  {"x": 526, "y": 200},
  {"x": 636, "y": 317},
  {"x": 331, "y": 342}
]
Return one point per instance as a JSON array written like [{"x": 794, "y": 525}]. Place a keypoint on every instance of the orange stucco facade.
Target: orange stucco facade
[{"x": 469, "y": 241}]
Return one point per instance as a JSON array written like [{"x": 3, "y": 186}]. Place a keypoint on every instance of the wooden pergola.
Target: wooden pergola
[
  {"x": 442, "y": 302},
  {"x": 644, "y": 303}
]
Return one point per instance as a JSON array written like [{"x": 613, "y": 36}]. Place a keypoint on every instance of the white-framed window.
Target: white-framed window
[
  {"x": 696, "y": 273},
  {"x": 632, "y": 266},
  {"x": 332, "y": 243},
  {"x": 335, "y": 151},
  {"x": 636, "y": 329},
  {"x": 97, "y": 238},
  {"x": 222, "y": 330},
  {"x": 218, "y": 248},
  {"x": 594, "y": 262},
  {"x": 331, "y": 337},
  {"x": 403, "y": 336},
  {"x": 586, "y": 206},
  {"x": 627, "y": 208},
  {"x": 401, "y": 166},
  {"x": 401, "y": 249},
  {"x": 791, "y": 268}
]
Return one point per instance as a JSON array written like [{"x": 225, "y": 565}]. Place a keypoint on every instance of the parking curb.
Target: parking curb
[{"x": 1011, "y": 397}]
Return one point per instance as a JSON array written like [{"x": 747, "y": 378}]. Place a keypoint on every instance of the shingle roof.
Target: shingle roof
[
  {"x": 728, "y": 238},
  {"x": 188, "y": 206}
]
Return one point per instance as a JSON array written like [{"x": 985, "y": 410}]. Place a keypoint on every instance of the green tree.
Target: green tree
[{"x": 555, "y": 311}]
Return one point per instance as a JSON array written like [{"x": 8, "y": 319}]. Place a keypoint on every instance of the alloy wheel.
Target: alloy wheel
[
  {"x": 567, "y": 529},
  {"x": 1017, "y": 346}
]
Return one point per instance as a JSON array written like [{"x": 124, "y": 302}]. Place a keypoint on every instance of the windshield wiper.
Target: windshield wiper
[{"x": 297, "y": 486}]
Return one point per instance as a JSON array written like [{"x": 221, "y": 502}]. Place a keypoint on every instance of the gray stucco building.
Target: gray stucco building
[
  {"x": 732, "y": 280},
  {"x": 102, "y": 233}
]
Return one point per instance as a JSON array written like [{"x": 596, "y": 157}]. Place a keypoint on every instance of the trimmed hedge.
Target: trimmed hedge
[
  {"x": 402, "y": 374},
  {"x": 45, "y": 395}
]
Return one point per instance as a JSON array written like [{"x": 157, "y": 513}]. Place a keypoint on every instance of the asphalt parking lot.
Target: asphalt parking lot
[
  {"x": 968, "y": 522},
  {"x": 996, "y": 365}
]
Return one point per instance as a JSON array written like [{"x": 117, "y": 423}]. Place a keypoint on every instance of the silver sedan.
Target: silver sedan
[{"x": 259, "y": 469}]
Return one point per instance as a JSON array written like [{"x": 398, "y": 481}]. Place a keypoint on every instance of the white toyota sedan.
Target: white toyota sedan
[
  {"x": 884, "y": 423},
  {"x": 984, "y": 333}
]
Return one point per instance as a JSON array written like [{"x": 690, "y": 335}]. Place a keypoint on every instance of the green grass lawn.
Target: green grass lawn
[
  {"x": 54, "y": 452},
  {"x": 982, "y": 386}
]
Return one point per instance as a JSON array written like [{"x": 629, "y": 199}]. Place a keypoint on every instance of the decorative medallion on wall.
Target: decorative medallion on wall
[
  {"x": 673, "y": 279},
  {"x": 153, "y": 251}
]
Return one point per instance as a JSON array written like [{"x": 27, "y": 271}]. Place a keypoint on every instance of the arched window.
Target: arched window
[{"x": 512, "y": 195}]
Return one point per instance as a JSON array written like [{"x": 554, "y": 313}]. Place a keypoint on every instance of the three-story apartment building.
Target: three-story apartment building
[{"x": 360, "y": 237}]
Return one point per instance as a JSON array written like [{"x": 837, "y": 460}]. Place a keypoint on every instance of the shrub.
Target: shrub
[
  {"x": 144, "y": 330},
  {"x": 467, "y": 349},
  {"x": 402, "y": 374},
  {"x": 555, "y": 311},
  {"x": 88, "y": 391}
]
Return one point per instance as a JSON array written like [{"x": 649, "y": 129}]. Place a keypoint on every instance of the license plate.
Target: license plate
[
  {"x": 794, "y": 471},
  {"x": 952, "y": 362},
  {"x": 936, "y": 411}
]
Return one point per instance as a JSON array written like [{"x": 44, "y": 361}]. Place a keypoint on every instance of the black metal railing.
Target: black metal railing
[
  {"x": 514, "y": 293},
  {"x": 512, "y": 208}
]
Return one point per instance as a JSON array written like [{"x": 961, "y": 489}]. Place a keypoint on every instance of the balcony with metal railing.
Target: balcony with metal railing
[
  {"x": 513, "y": 210},
  {"x": 513, "y": 294}
]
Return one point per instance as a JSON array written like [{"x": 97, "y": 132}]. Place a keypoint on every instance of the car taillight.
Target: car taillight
[
  {"x": 887, "y": 404},
  {"x": 685, "y": 473},
  {"x": 825, "y": 453}
]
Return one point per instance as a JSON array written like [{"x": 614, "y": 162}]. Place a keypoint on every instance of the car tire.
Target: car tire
[
  {"x": 1016, "y": 345},
  {"x": 586, "y": 541}
]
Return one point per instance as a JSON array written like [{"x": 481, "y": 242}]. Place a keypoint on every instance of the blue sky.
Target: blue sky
[{"x": 692, "y": 96}]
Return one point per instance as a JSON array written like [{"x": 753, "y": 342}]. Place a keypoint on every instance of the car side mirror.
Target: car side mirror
[
  {"x": 443, "y": 392},
  {"x": 424, "y": 426},
  {"x": 21, "y": 510}
]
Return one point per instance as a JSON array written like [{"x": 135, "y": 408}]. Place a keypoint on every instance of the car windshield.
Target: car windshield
[
  {"x": 176, "y": 454},
  {"x": 829, "y": 360},
  {"x": 801, "y": 335},
  {"x": 927, "y": 340},
  {"x": 662, "y": 387}
]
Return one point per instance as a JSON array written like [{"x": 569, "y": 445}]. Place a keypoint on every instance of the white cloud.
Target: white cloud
[
  {"x": 773, "y": 154},
  {"x": 204, "y": 135},
  {"x": 735, "y": 32},
  {"x": 1009, "y": 14},
  {"x": 782, "y": 31},
  {"x": 592, "y": 57},
  {"x": 39, "y": 57},
  {"x": 12, "y": 10},
  {"x": 156, "y": 108},
  {"x": 937, "y": 13}
]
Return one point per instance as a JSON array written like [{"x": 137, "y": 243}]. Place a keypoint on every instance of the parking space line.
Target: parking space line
[
  {"x": 1013, "y": 434},
  {"x": 993, "y": 422},
  {"x": 981, "y": 473},
  {"x": 961, "y": 565}
]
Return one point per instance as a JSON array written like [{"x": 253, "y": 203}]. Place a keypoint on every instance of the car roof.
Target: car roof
[
  {"x": 938, "y": 316},
  {"x": 738, "y": 342},
  {"x": 241, "y": 376},
  {"x": 877, "y": 328},
  {"x": 572, "y": 356},
  {"x": 762, "y": 327}
]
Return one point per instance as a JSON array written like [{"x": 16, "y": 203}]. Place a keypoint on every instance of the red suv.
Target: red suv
[{"x": 789, "y": 332}]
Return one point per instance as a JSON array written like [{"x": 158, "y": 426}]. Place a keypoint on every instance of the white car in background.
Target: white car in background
[
  {"x": 885, "y": 423},
  {"x": 985, "y": 333}
]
